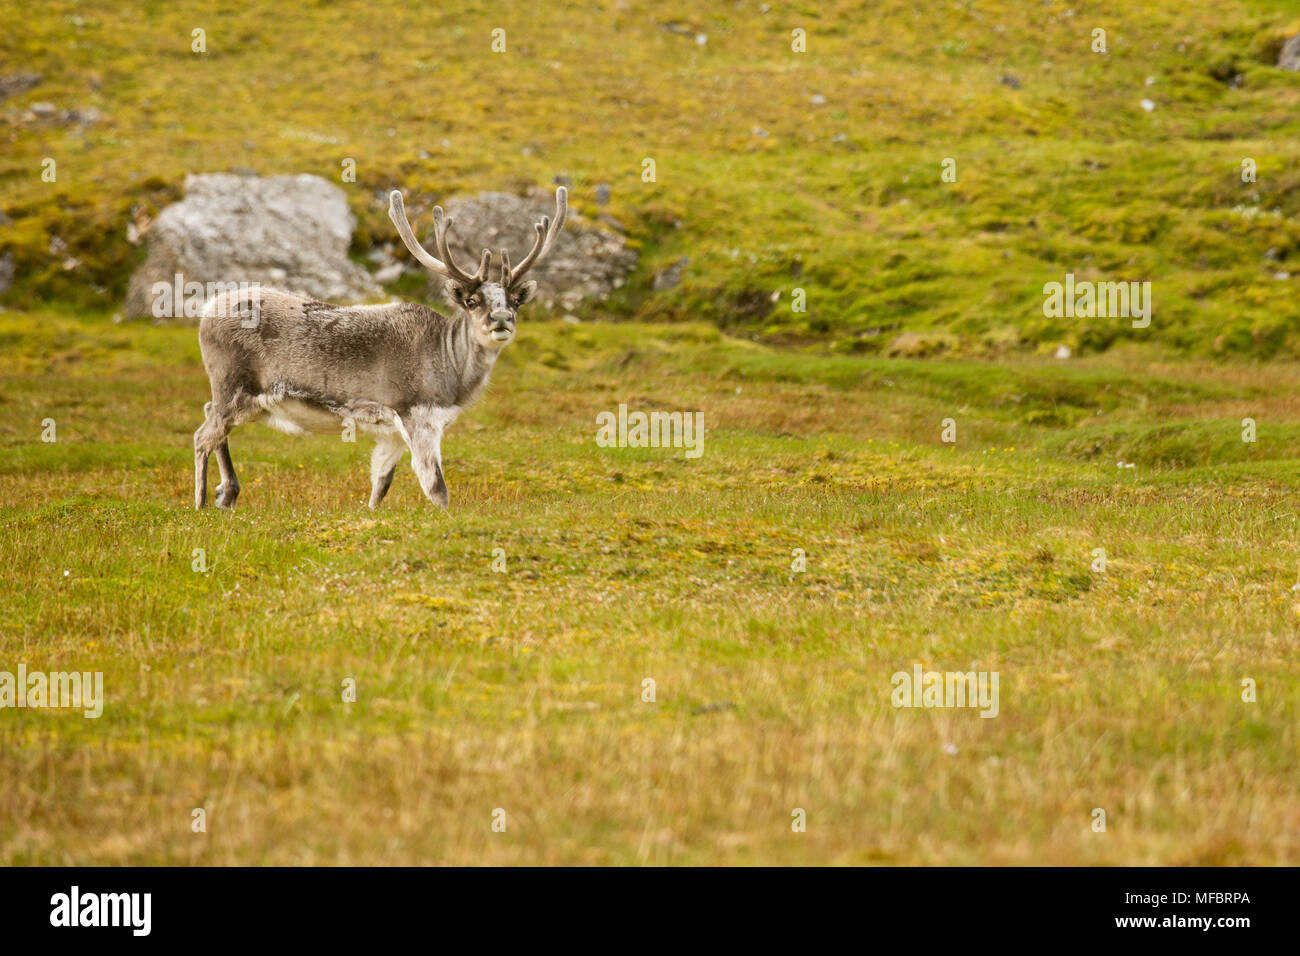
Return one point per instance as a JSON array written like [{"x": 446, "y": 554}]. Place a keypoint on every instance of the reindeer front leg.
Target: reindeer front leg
[
  {"x": 423, "y": 434},
  {"x": 383, "y": 462}
]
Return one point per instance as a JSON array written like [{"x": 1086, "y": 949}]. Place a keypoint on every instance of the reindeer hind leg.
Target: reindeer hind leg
[
  {"x": 202, "y": 449},
  {"x": 211, "y": 437}
]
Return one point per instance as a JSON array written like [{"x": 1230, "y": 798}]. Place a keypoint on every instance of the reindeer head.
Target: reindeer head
[{"x": 492, "y": 307}]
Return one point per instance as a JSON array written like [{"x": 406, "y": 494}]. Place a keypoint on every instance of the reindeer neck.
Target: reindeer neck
[{"x": 470, "y": 360}]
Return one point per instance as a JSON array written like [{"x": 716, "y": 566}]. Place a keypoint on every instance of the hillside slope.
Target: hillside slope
[{"x": 774, "y": 169}]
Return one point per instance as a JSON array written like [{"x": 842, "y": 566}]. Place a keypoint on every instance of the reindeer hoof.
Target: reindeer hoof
[{"x": 226, "y": 496}]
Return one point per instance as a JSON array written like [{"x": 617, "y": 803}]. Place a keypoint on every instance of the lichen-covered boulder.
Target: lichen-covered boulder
[
  {"x": 586, "y": 262},
  {"x": 283, "y": 232},
  {"x": 1289, "y": 56}
]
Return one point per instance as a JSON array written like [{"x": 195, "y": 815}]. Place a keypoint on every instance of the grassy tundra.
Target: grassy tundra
[{"x": 523, "y": 690}]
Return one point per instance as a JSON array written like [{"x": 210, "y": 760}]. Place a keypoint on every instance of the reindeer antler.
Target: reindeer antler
[
  {"x": 446, "y": 266},
  {"x": 546, "y": 233}
]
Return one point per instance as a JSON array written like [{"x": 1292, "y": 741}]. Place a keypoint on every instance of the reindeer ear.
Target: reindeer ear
[
  {"x": 524, "y": 291},
  {"x": 455, "y": 292}
]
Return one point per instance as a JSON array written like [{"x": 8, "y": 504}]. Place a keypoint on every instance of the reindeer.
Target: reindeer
[{"x": 401, "y": 371}]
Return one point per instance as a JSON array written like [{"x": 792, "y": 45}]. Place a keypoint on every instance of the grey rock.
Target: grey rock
[
  {"x": 285, "y": 232},
  {"x": 1289, "y": 57},
  {"x": 390, "y": 273},
  {"x": 14, "y": 83},
  {"x": 7, "y": 270},
  {"x": 611, "y": 222},
  {"x": 87, "y": 117},
  {"x": 587, "y": 262},
  {"x": 669, "y": 277},
  {"x": 46, "y": 112},
  {"x": 602, "y": 193}
]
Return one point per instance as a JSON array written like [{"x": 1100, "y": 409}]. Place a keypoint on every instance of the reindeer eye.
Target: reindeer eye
[{"x": 472, "y": 301}]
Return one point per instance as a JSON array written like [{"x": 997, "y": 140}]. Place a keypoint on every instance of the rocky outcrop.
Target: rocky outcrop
[
  {"x": 12, "y": 84},
  {"x": 1289, "y": 57},
  {"x": 587, "y": 261},
  {"x": 284, "y": 232}
]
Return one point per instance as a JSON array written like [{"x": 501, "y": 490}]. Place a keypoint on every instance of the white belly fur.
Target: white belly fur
[
  {"x": 298, "y": 418},
  {"x": 293, "y": 417}
]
